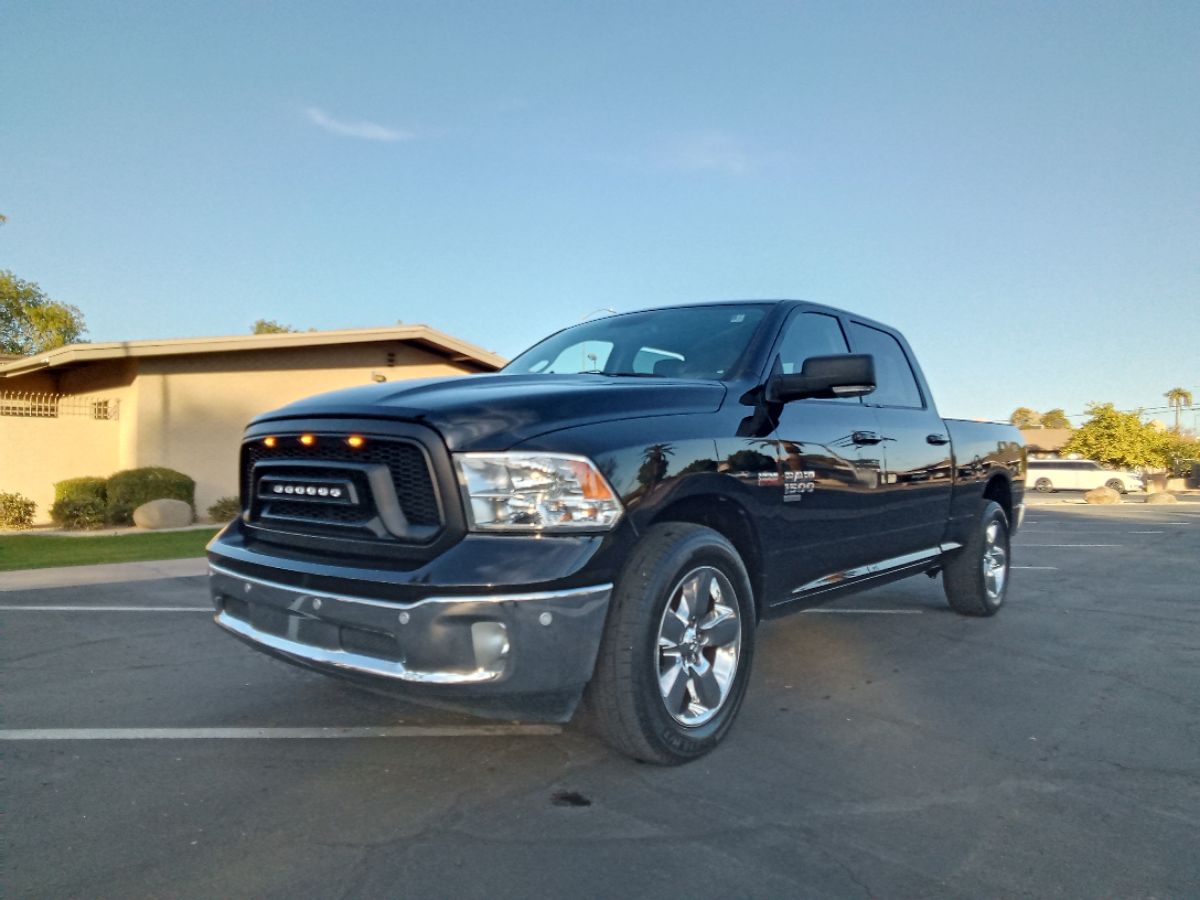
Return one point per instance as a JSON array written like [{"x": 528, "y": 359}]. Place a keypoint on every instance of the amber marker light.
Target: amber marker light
[
  {"x": 307, "y": 440},
  {"x": 269, "y": 442},
  {"x": 355, "y": 441}
]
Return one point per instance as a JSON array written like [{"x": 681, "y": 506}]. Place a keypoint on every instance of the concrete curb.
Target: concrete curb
[
  {"x": 109, "y": 573},
  {"x": 110, "y": 531}
]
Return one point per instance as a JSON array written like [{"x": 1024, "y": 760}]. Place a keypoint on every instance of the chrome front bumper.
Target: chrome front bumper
[{"x": 504, "y": 643}]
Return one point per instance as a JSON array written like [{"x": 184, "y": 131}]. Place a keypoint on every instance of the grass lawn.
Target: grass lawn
[{"x": 31, "y": 551}]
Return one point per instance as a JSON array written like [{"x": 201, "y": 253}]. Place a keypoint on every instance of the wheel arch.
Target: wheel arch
[
  {"x": 730, "y": 519},
  {"x": 999, "y": 489}
]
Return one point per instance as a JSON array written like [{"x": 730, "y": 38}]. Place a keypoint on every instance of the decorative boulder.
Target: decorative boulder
[
  {"x": 1102, "y": 495},
  {"x": 1162, "y": 497},
  {"x": 163, "y": 514}
]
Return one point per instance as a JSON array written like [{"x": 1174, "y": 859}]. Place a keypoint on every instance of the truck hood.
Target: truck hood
[{"x": 497, "y": 411}]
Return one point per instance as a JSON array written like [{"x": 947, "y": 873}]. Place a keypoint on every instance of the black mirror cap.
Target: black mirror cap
[{"x": 826, "y": 377}]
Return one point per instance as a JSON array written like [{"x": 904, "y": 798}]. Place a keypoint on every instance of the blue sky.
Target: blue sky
[{"x": 1014, "y": 185}]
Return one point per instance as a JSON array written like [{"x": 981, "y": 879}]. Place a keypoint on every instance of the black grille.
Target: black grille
[
  {"x": 404, "y": 460},
  {"x": 323, "y": 512}
]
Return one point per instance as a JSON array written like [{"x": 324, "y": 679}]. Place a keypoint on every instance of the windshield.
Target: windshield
[{"x": 699, "y": 342}]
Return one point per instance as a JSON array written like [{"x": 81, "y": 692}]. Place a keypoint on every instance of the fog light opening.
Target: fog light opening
[{"x": 490, "y": 642}]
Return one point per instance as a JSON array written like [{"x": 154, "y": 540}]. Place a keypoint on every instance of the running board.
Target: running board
[{"x": 874, "y": 570}]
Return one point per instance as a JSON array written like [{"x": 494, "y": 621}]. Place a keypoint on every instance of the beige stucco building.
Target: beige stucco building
[{"x": 94, "y": 409}]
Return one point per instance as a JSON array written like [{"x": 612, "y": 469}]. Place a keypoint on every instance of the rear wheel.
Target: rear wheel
[
  {"x": 976, "y": 577},
  {"x": 1043, "y": 485},
  {"x": 677, "y": 649},
  {"x": 1116, "y": 484}
]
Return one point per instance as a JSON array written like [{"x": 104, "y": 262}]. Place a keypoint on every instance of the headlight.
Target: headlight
[{"x": 535, "y": 492}]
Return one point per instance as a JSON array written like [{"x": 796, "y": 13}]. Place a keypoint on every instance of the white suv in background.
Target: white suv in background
[{"x": 1047, "y": 475}]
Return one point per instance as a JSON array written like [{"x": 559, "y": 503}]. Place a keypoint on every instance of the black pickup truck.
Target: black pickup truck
[{"x": 610, "y": 516}]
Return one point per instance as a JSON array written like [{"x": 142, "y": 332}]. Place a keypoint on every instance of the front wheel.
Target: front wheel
[
  {"x": 976, "y": 577},
  {"x": 676, "y": 652},
  {"x": 1116, "y": 484},
  {"x": 1043, "y": 486}
]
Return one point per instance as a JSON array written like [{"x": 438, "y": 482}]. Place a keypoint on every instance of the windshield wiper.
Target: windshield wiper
[{"x": 618, "y": 374}]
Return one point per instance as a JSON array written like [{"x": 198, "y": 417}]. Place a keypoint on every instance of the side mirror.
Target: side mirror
[{"x": 827, "y": 377}]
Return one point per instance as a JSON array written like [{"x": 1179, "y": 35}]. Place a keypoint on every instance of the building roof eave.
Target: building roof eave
[{"x": 421, "y": 335}]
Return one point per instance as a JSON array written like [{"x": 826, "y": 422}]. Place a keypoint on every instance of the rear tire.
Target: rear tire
[
  {"x": 677, "y": 649},
  {"x": 976, "y": 577},
  {"x": 1116, "y": 484},
  {"x": 1043, "y": 486}
]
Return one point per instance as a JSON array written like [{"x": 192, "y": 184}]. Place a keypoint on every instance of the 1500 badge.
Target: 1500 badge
[{"x": 797, "y": 484}]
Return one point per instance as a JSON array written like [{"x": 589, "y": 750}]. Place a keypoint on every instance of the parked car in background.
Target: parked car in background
[{"x": 1048, "y": 475}]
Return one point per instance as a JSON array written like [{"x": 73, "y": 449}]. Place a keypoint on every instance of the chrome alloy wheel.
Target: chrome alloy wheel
[
  {"x": 995, "y": 561},
  {"x": 699, "y": 640}
]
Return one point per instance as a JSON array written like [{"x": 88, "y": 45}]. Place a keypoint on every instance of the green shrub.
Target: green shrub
[
  {"x": 225, "y": 509},
  {"x": 87, "y": 488},
  {"x": 80, "y": 514},
  {"x": 131, "y": 488},
  {"x": 16, "y": 511},
  {"x": 79, "y": 503}
]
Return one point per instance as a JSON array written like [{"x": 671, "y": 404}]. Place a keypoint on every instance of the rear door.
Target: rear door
[{"x": 917, "y": 481}]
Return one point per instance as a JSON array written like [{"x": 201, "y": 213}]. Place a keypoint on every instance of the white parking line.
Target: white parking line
[
  {"x": 1070, "y": 545},
  {"x": 866, "y": 612},
  {"x": 1051, "y": 568},
  {"x": 1101, "y": 526},
  {"x": 191, "y": 609},
  {"x": 192, "y": 734},
  {"x": 205, "y": 609}
]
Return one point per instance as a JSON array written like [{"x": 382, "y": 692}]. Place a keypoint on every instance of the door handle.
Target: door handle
[
  {"x": 866, "y": 437},
  {"x": 937, "y": 439}
]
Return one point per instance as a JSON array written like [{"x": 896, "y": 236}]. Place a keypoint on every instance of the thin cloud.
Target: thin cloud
[
  {"x": 713, "y": 151},
  {"x": 363, "y": 130}
]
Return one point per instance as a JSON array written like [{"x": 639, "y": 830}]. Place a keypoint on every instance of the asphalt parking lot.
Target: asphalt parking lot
[{"x": 887, "y": 748}]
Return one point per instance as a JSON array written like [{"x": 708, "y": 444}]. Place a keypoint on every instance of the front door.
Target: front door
[{"x": 831, "y": 460}]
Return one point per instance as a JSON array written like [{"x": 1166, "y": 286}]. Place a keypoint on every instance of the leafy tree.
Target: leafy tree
[
  {"x": 1178, "y": 398},
  {"x": 1024, "y": 417},
  {"x": 1119, "y": 438},
  {"x": 30, "y": 322},
  {"x": 1182, "y": 452},
  {"x": 1055, "y": 418},
  {"x": 270, "y": 326}
]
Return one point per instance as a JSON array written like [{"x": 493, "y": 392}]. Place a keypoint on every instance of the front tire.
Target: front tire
[
  {"x": 1116, "y": 484},
  {"x": 976, "y": 577},
  {"x": 1043, "y": 486},
  {"x": 677, "y": 649}
]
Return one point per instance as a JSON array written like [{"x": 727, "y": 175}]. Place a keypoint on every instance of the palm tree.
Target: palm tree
[{"x": 1178, "y": 398}]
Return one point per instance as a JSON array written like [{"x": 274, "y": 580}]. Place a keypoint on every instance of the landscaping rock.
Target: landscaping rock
[
  {"x": 163, "y": 514},
  {"x": 1162, "y": 497},
  {"x": 1102, "y": 495}
]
